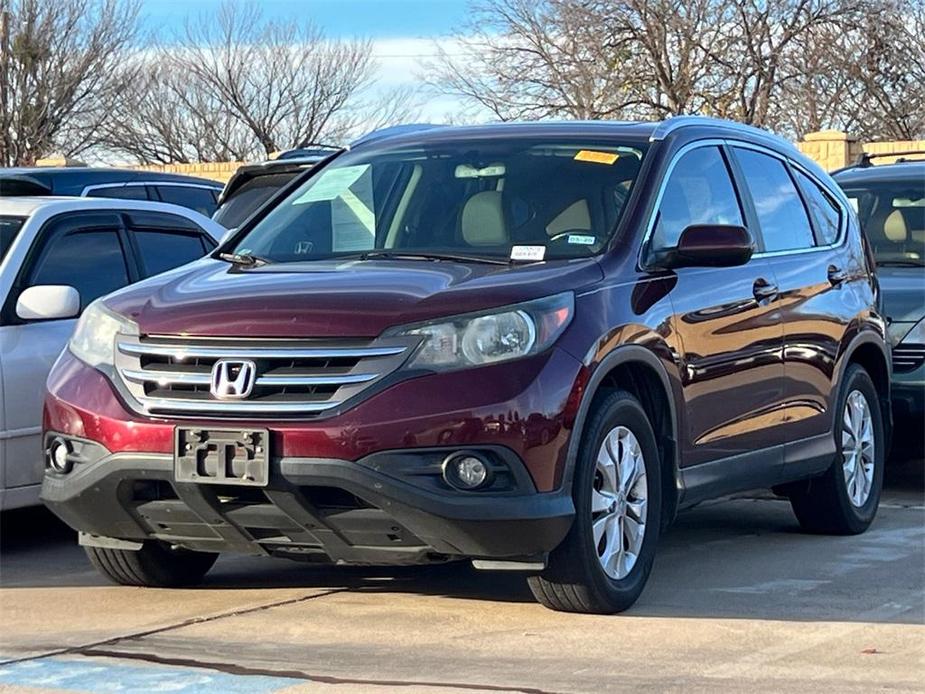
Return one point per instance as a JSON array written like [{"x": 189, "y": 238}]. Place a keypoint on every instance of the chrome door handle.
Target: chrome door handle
[
  {"x": 764, "y": 290},
  {"x": 836, "y": 275}
]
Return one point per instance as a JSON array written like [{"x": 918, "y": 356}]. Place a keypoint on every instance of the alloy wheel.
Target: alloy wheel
[
  {"x": 619, "y": 502},
  {"x": 858, "y": 450}
]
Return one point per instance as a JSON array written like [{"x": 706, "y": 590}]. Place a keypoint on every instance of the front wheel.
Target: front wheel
[
  {"x": 844, "y": 500},
  {"x": 604, "y": 562},
  {"x": 155, "y": 565}
]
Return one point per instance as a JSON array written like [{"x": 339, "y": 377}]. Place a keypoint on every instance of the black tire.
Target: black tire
[
  {"x": 153, "y": 566},
  {"x": 822, "y": 505},
  {"x": 575, "y": 580}
]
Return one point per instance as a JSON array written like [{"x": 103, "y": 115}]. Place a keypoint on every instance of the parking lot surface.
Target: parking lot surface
[{"x": 739, "y": 600}]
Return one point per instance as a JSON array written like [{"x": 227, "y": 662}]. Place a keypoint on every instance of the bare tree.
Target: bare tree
[
  {"x": 61, "y": 73},
  {"x": 521, "y": 59}
]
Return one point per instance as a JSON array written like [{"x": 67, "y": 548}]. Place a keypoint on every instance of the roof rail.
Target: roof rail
[
  {"x": 866, "y": 158},
  {"x": 670, "y": 125},
  {"x": 392, "y": 131}
]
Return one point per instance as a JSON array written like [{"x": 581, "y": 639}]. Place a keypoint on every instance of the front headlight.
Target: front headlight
[
  {"x": 493, "y": 336},
  {"x": 916, "y": 336},
  {"x": 94, "y": 337}
]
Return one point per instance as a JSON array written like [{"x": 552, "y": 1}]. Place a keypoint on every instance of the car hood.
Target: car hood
[
  {"x": 334, "y": 298},
  {"x": 903, "y": 291}
]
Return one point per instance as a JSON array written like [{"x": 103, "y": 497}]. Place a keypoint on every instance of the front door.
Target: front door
[{"x": 727, "y": 323}]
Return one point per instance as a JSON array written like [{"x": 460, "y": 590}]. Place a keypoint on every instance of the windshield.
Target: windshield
[
  {"x": 461, "y": 198},
  {"x": 892, "y": 214},
  {"x": 9, "y": 227}
]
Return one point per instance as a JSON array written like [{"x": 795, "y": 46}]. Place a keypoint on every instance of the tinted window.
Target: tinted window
[
  {"x": 162, "y": 250},
  {"x": 120, "y": 192},
  {"x": 200, "y": 199},
  {"x": 9, "y": 227},
  {"x": 781, "y": 214},
  {"x": 249, "y": 197},
  {"x": 699, "y": 191},
  {"x": 90, "y": 261},
  {"x": 824, "y": 210}
]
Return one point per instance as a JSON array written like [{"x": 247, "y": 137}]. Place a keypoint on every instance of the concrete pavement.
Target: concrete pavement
[{"x": 739, "y": 600}]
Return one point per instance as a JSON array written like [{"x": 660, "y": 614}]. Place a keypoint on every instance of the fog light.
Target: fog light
[
  {"x": 58, "y": 453},
  {"x": 466, "y": 471}
]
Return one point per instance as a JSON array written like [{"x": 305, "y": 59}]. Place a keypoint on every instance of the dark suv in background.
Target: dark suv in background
[
  {"x": 528, "y": 345},
  {"x": 890, "y": 202},
  {"x": 200, "y": 194}
]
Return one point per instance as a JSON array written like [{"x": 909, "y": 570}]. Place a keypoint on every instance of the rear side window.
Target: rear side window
[
  {"x": 163, "y": 250},
  {"x": 200, "y": 199},
  {"x": 699, "y": 191},
  {"x": 119, "y": 192},
  {"x": 825, "y": 212},
  {"x": 781, "y": 214},
  {"x": 92, "y": 262}
]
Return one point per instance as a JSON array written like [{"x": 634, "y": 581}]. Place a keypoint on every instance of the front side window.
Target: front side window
[
  {"x": 699, "y": 191},
  {"x": 781, "y": 214},
  {"x": 9, "y": 228},
  {"x": 251, "y": 195},
  {"x": 90, "y": 261},
  {"x": 892, "y": 215},
  {"x": 476, "y": 198}
]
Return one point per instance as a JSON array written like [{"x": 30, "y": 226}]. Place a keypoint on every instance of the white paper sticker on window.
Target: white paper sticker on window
[
  {"x": 528, "y": 252},
  {"x": 331, "y": 184},
  {"x": 581, "y": 239}
]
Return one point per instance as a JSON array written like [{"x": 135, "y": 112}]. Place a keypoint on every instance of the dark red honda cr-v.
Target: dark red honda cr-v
[{"x": 525, "y": 345}]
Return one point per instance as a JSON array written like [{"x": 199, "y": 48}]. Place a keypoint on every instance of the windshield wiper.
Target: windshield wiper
[
  {"x": 372, "y": 255},
  {"x": 244, "y": 259}
]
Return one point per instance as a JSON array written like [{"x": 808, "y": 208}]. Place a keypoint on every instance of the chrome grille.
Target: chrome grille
[
  {"x": 173, "y": 376},
  {"x": 908, "y": 357}
]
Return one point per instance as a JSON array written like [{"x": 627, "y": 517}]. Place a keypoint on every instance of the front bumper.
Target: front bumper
[{"x": 314, "y": 509}]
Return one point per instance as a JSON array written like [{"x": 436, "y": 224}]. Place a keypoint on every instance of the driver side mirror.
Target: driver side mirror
[
  {"x": 709, "y": 245},
  {"x": 48, "y": 302}
]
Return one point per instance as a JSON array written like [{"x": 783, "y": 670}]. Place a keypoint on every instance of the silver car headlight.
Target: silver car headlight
[
  {"x": 93, "y": 341},
  {"x": 916, "y": 336},
  {"x": 492, "y": 336}
]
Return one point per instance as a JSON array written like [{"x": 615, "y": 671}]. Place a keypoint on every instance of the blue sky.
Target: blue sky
[
  {"x": 368, "y": 18},
  {"x": 403, "y": 32}
]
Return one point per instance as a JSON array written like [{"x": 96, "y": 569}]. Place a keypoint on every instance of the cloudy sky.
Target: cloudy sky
[{"x": 403, "y": 32}]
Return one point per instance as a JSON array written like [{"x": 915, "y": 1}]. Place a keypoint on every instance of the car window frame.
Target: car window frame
[
  {"x": 59, "y": 225},
  {"x": 792, "y": 166},
  {"x": 646, "y": 253}
]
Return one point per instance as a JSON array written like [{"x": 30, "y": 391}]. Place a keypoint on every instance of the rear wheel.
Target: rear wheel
[
  {"x": 604, "y": 562},
  {"x": 844, "y": 500},
  {"x": 155, "y": 565}
]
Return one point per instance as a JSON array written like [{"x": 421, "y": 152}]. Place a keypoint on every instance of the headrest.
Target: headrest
[
  {"x": 894, "y": 227},
  {"x": 482, "y": 220},
  {"x": 576, "y": 216}
]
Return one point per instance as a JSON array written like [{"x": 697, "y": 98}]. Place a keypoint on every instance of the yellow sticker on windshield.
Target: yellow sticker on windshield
[{"x": 596, "y": 157}]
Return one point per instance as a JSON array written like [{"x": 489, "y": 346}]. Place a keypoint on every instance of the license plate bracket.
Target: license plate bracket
[{"x": 222, "y": 456}]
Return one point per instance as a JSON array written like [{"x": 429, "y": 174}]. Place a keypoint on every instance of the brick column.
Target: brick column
[{"x": 831, "y": 149}]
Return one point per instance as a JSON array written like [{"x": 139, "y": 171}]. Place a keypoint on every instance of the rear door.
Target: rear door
[
  {"x": 87, "y": 252},
  {"x": 802, "y": 225},
  {"x": 728, "y": 324}
]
